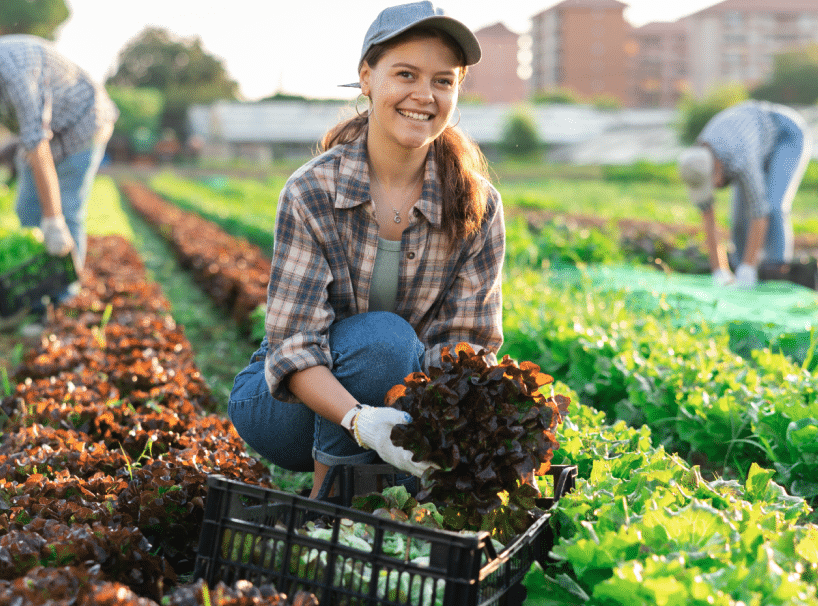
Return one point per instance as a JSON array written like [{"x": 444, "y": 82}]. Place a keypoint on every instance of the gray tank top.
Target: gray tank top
[{"x": 384, "y": 289}]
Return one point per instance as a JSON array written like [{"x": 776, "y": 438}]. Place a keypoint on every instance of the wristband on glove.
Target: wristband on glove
[{"x": 348, "y": 423}]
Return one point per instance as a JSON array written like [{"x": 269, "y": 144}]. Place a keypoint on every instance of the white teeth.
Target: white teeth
[{"x": 415, "y": 116}]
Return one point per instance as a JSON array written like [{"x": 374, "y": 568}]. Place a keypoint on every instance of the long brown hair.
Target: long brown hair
[{"x": 461, "y": 166}]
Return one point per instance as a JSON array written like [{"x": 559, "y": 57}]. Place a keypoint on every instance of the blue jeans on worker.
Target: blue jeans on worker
[
  {"x": 371, "y": 352},
  {"x": 75, "y": 174},
  {"x": 785, "y": 169}
]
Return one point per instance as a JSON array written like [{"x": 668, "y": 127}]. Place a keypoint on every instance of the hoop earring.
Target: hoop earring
[
  {"x": 357, "y": 111},
  {"x": 459, "y": 115}
]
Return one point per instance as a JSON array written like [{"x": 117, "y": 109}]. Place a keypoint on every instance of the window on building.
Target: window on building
[
  {"x": 651, "y": 42},
  {"x": 652, "y": 69},
  {"x": 734, "y": 66},
  {"x": 735, "y": 39},
  {"x": 807, "y": 24},
  {"x": 733, "y": 21},
  {"x": 765, "y": 23},
  {"x": 786, "y": 28}
]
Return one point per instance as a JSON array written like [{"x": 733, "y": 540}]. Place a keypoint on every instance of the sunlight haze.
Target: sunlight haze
[{"x": 268, "y": 46}]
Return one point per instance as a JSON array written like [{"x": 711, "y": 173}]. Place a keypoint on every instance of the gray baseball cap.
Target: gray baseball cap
[
  {"x": 696, "y": 170},
  {"x": 397, "y": 19}
]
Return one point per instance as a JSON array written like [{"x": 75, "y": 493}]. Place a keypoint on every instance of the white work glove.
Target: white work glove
[
  {"x": 722, "y": 277},
  {"x": 58, "y": 240},
  {"x": 746, "y": 276},
  {"x": 372, "y": 428}
]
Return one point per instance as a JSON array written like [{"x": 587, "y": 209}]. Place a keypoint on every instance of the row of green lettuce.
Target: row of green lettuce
[
  {"x": 644, "y": 527},
  {"x": 242, "y": 207},
  {"x": 699, "y": 398}
]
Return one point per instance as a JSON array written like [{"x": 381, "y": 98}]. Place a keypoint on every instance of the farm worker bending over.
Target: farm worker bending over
[
  {"x": 761, "y": 149},
  {"x": 388, "y": 246},
  {"x": 64, "y": 121}
]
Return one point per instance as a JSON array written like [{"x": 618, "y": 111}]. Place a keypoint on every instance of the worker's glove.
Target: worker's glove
[
  {"x": 722, "y": 277},
  {"x": 58, "y": 240},
  {"x": 746, "y": 276},
  {"x": 372, "y": 428}
]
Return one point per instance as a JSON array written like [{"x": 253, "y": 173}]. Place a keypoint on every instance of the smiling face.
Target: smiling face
[{"x": 413, "y": 89}]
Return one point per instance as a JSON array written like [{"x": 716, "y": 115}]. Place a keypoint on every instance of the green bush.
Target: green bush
[
  {"x": 520, "y": 137},
  {"x": 794, "y": 79},
  {"x": 606, "y": 102},
  {"x": 140, "y": 113},
  {"x": 559, "y": 95},
  {"x": 695, "y": 113}
]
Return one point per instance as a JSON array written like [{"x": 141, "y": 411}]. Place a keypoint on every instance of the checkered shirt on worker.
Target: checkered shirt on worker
[
  {"x": 326, "y": 240},
  {"x": 50, "y": 97},
  {"x": 742, "y": 138}
]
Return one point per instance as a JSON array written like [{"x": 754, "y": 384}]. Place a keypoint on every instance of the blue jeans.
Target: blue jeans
[
  {"x": 75, "y": 174},
  {"x": 371, "y": 353},
  {"x": 785, "y": 169}
]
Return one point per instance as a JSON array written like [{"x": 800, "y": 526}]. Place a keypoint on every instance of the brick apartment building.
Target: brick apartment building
[
  {"x": 584, "y": 45},
  {"x": 496, "y": 79},
  {"x": 736, "y": 40},
  {"x": 588, "y": 46},
  {"x": 660, "y": 67}
]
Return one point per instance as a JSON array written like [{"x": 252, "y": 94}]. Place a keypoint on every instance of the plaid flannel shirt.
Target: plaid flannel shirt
[
  {"x": 326, "y": 240},
  {"x": 742, "y": 138},
  {"x": 50, "y": 97}
]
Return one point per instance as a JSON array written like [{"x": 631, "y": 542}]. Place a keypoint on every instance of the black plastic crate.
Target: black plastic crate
[
  {"x": 255, "y": 533},
  {"x": 42, "y": 276},
  {"x": 802, "y": 271}
]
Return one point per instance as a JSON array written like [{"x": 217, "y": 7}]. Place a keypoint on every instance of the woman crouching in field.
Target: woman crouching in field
[{"x": 388, "y": 247}]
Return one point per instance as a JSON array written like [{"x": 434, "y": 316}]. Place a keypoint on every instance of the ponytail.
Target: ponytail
[{"x": 463, "y": 174}]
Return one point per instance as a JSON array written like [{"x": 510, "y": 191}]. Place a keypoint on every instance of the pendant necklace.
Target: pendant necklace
[{"x": 397, "y": 217}]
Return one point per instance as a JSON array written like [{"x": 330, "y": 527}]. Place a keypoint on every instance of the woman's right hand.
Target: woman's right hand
[
  {"x": 722, "y": 277},
  {"x": 372, "y": 428},
  {"x": 57, "y": 238}
]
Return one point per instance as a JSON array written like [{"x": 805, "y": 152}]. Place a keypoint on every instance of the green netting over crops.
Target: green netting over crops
[
  {"x": 790, "y": 306},
  {"x": 775, "y": 314}
]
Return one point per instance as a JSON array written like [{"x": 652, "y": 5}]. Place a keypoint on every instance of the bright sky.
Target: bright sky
[{"x": 304, "y": 47}]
